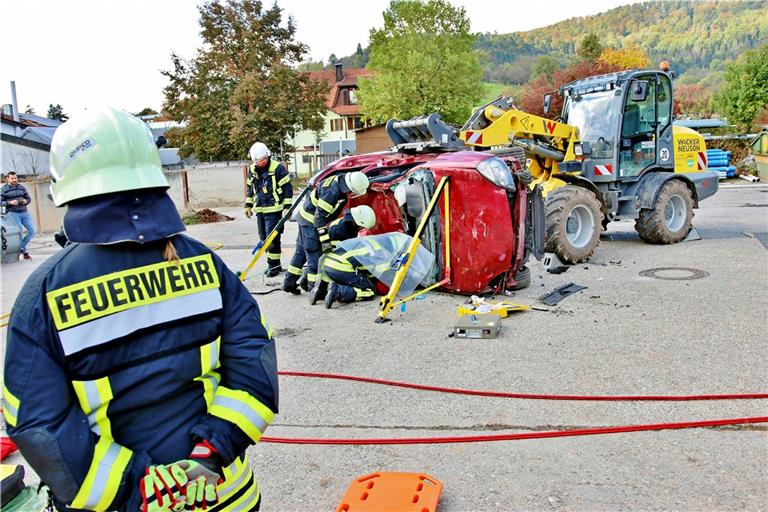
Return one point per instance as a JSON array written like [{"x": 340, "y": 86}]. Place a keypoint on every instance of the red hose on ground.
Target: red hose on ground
[
  {"x": 515, "y": 437},
  {"x": 529, "y": 435},
  {"x": 501, "y": 394}
]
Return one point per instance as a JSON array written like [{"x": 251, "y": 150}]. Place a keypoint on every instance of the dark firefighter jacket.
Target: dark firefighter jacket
[
  {"x": 324, "y": 202},
  {"x": 270, "y": 190},
  {"x": 117, "y": 359},
  {"x": 339, "y": 230}
]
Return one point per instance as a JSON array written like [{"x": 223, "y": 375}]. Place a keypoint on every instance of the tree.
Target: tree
[
  {"x": 546, "y": 66},
  {"x": 693, "y": 101},
  {"x": 56, "y": 112},
  {"x": 30, "y": 110},
  {"x": 146, "y": 111},
  {"x": 423, "y": 62},
  {"x": 241, "y": 86},
  {"x": 625, "y": 58},
  {"x": 533, "y": 96},
  {"x": 745, "y": 94},
  {"x": 590, "y": 48}
]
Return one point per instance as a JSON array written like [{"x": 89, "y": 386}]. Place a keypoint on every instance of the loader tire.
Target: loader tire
[
  {"x": 522, "y": 279},
  {"x": 669, "y": 221},
  {"x": 574, "y": 223}
]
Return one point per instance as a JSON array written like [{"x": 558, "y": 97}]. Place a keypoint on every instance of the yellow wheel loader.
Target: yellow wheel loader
[{"x": 613, "y": 154}]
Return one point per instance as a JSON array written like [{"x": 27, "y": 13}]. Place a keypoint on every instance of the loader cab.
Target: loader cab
[{"x": 627, "y": 120}]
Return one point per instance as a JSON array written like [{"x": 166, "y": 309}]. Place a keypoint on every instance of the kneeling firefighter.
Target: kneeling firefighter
[
  {"x": 322, "y": 206},
  {"x": 343, "y": 228},
  {"x": 269, "y": 193},
  {"x": 350, "y": 279},
  {"x": 138, "y": 367}
]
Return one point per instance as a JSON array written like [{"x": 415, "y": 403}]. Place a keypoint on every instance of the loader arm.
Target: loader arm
[{"x": 546, "y": 142}]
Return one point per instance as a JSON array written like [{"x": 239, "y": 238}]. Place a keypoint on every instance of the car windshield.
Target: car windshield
[{"x": 596, "y": 115}]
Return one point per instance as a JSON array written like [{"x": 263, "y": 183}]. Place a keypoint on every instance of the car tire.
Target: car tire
[
  {"x": 574, "y": 223},
  {"x": 670, "y": 219},
  {"x": 522, "y": 279}
]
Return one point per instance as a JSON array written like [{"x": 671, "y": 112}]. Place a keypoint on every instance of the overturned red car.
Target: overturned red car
[{"x": 484, "y": 231}]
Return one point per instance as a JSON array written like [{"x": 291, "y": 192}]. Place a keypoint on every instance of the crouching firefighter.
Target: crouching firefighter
[
  {"x": 350, "y": 279},
  {"x": 343, "y": 228},
  {"x": 322, "y": 206},
  {"x": 138, "y": 368},
  {"x": 269, "y": 193}
]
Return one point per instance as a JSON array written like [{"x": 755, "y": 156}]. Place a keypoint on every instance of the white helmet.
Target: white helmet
[
  {"x": 357, "y": 182},
  {"x": 364, "y": 216},
  {"x": 258, "y": 151}
]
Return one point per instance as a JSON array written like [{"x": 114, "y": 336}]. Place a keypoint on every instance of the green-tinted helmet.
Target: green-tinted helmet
[
  {"x": 364, "y": 216},
  {"x": 100, "y": 151},
  {"x": 357, "y": 182}
]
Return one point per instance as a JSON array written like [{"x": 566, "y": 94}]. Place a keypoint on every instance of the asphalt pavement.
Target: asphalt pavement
[{"x": 625, "y": 334}]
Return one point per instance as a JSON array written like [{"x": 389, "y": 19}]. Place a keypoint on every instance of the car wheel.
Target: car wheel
[
  {"x": 574, "y": 223},
  {"x": 522, "y": 279},
  {"x": 669, "y": 221}
]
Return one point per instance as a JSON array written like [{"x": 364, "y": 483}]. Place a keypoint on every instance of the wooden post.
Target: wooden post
[
  {"x": 36, "y": 200},
  {"x": 185, "y": 189}
]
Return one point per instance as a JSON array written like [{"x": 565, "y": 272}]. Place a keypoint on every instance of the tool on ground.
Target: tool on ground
[
  {"x": 560, "y": 293},
  {"x": 477, "y": 326},
  {"x": 479, "y": 305},
  {"x": 552, "y": 263},
  {"x": 260, "y": 248},
  {"x": 388, "y": 301},
  {"x": 392, "y": 492}
]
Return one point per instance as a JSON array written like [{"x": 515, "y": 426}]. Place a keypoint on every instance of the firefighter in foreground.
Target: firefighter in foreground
[
  {"x": 269, "y": 193},
  {"x": 138, "y": 368},
  {"x": 317, "y": 211}
]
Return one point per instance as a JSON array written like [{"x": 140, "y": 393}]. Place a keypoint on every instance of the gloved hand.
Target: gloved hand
[
  {"x": 200, "y": 495},
  {"x": 248, "y": 212},
  {"x": 161, "y": 487},
  {"x": 208, "y": 456}
]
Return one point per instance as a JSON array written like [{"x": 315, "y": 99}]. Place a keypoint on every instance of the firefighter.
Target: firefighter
[
  {"x": 322, "y": 206},
  {"x": 350, "y": 279},
  {"x": 343, "y": 228},
  {"x": 269, "y": 193},
  {"x": 138, "y": 368}
]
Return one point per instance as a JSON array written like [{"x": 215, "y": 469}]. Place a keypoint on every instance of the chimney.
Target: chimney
[
  {"x": 15, "y": 104},
  {"x": 339, "y": 72}
]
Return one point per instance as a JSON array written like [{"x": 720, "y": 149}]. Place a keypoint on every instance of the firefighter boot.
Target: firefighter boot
[
  {"x": 304, "y": 282},
  {"x": 332, "y": 295},
  {"x": 289, "y": 284},
  {"x": 273, "y": 271},
  {"x": 318, "y": 292}
]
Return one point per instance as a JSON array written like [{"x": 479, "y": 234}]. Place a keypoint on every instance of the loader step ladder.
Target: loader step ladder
[{"x": 392, "y": 492}]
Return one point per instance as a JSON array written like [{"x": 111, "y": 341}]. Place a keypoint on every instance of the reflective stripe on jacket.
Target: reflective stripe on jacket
[
  {"x": 269, "y": 191},
  {"x": 324, "y": 202},
  {"x": 117, "y": 359}
]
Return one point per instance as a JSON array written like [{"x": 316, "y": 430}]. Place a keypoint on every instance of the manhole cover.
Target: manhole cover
[{"x": 675, "y": 273}]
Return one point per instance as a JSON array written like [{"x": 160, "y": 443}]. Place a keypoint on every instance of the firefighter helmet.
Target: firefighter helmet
[
  {"x": 356, "y": 182},
  {"x": 102, "y": 151},
  {"x": 259, "y": 151},
  {"x": 364, "y": 216}
]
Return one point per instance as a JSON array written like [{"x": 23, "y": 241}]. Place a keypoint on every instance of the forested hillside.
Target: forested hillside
[{"x": 694, "y": 36}]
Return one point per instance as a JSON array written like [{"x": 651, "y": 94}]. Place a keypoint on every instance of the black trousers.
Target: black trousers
[{"x": 265, "y": 223}]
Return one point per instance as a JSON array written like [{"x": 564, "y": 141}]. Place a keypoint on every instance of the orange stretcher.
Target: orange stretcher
[{"x": 392, "y": 492}]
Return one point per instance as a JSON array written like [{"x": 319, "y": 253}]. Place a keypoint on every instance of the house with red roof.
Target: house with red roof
[{"x": 342, "y": 119}]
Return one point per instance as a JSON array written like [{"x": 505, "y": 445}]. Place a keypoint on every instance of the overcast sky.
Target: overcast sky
[{"x": 90, "y": 52}]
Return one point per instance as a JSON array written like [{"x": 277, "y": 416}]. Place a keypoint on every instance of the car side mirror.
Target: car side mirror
[
  {"x": 639, "y": 90},
  {"x": 547, "y": 103}
]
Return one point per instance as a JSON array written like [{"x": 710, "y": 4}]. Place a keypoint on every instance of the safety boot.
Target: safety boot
[
  {"x": 304, "y": 282},
  {"x": 332, "y": 295},
  {"x": 289, "y": 284},
  {"x": 273, "y": 271},
  {"x": 318, "y": 292}
]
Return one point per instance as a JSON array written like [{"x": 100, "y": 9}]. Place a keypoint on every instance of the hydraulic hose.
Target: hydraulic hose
[{"x": 526, "y": 396}]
